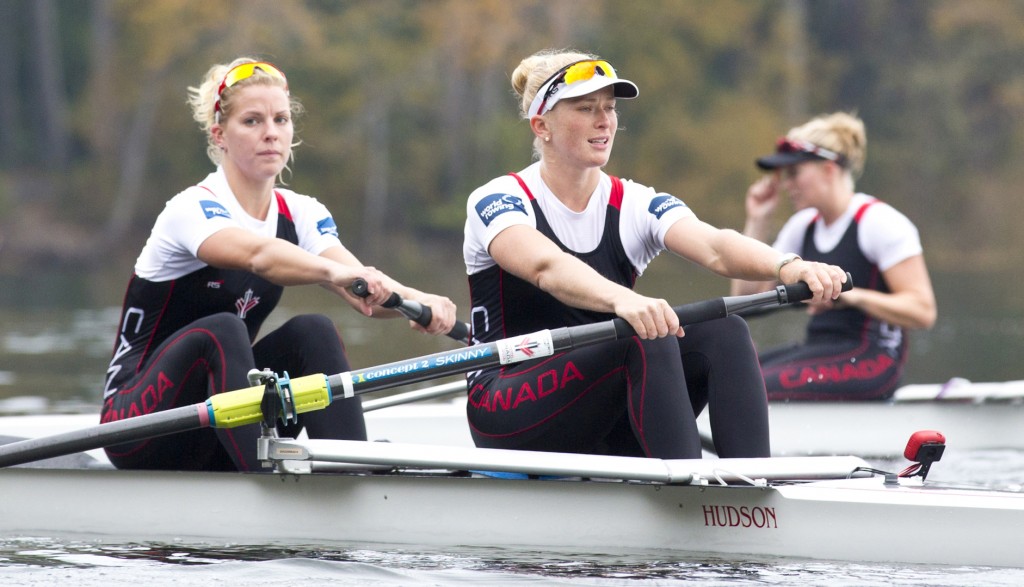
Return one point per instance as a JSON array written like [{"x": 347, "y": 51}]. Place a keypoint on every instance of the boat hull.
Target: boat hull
[
  {"x": 881, "y": 429},
  {"x": 856, "y": 519}
]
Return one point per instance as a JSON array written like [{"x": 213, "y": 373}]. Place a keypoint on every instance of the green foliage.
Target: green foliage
[{"x": 409, "y": 104}]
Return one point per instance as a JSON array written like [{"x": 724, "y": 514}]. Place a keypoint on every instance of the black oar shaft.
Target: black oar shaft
[
  {"x": 540, "y": 344},
  {"x": 112, "y": 433}
]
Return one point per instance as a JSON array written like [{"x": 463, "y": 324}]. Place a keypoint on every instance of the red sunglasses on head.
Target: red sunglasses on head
[
  {"x": 245, "y": 71},
  {"x": 787, "y": 145}
]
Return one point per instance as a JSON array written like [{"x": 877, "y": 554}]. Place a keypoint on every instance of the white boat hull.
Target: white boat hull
[
  {"x": 881, "y": 429},
  {"x": 972, "y": 416},
  {"x": 854, "y": 520},
  {"x": 651, "y": 507}
]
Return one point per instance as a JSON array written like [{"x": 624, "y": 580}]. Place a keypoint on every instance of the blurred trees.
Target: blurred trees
[{"x": 409, "y": 107}]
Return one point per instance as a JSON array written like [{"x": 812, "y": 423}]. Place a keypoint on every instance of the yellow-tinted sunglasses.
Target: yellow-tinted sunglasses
[
  {"x": 579, "y": 71},
  {"x": 245, "y": 71},
  {"x": 585, "y": 70}
]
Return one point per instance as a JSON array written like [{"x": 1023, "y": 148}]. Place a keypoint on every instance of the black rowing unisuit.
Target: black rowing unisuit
[{"x": 629, "y": 397}]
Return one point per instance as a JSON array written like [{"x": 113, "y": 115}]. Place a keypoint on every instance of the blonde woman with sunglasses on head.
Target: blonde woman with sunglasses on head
[
  {"x": 561, "y": 243},
  {"x": 855, "y": 346},
  {"x": 213, "y": 269}
]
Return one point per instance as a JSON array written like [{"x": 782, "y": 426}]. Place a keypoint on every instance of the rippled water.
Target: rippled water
[
  {"x": 34, "y": 561},
  {"x": 49, "y": 561}
]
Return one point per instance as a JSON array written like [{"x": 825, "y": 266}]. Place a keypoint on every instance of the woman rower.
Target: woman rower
[
  {"x": 855, "y": 347},
  {"x": 561, "y": 243},
  {"x": 214, "y": 268}
]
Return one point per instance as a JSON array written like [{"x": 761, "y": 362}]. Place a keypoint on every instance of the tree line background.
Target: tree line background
[{"x": 409, "y": 108}]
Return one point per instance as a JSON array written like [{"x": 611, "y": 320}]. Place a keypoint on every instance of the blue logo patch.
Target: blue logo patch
[
  {"x": 494, "y": 205},
  {"x": 213, "y": 209},
  {"x": 327, "y": 226},
  {"x": 663, "y": 203}
]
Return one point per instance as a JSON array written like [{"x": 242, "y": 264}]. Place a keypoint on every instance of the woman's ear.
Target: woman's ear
[
  {"x": 217, "y": 134},
  {"x": 836, "y": 170},
  {"x": 540, "y": 128}
]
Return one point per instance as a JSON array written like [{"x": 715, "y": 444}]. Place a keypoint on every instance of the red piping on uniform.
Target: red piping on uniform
[{"x": 282, "y": 206}]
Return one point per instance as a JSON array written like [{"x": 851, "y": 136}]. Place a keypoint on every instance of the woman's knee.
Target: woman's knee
[
  {"x": 733, "y": 326},
  {"x": 309, "y": 325},
  {"x": 655, "y": 350},
  {"x": 310, "y": 339},
  {"x": 222, "y": 324},
  {"x": 725, "y": 335},
  {"x": 660, "y": 356}
]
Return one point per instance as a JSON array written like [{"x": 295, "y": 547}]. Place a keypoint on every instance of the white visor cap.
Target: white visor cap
[{"x": 545, "y": 100}]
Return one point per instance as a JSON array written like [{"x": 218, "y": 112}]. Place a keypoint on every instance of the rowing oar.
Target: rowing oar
[
  {"x": 415, "y": 311},
  {"x": 315, "y": 392}
]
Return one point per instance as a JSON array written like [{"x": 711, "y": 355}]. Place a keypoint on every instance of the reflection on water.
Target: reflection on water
[
  {"x": 31, "y": 561},
  {"x": 58, "y": 354},
  {"x": 58, "y": 329}
]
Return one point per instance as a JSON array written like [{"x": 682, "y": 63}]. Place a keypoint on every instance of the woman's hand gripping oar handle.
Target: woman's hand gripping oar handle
[
  {"x": 782, "y": 295},
  {"x": 800, "y": 291},
  {"x": 414, "y": 311}
]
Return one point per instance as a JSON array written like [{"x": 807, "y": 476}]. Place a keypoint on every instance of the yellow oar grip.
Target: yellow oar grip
[
  {"x": 242, "y": 406},
  {"x": 311, "y": 393}
]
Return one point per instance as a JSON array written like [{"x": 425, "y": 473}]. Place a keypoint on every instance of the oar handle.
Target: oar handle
[
  {"x": 415, "y": 311},
  {"x": 706, "y": 310},
  {"x": 800, "y": 291}
]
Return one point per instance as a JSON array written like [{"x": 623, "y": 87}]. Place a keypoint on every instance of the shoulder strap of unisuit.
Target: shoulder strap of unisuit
[
  {"x": 282, "y": 206},
  {"x": 522, "y": 184},
  {"x": 615, "y": 199},
  {"x": 864, "y": 208}
]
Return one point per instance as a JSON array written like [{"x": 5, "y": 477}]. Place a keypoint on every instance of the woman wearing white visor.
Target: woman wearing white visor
[{"x": 562, "y": 243}]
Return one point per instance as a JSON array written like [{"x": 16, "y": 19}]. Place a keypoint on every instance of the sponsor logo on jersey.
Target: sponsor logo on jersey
[
  {"x": 327, "y": 226},
  {"x": 246, "y": 303},
  {"x": 663, "y": 203},
  {"x": 215, "y": 284},
  {"x": 494, "y": 205},
  {"x": 213, "y": 209}
]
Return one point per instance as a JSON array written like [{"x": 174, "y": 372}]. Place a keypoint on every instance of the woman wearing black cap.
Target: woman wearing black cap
[
  {"x": 562, "y": 243},
  {"x": 855, "y": 346}
]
